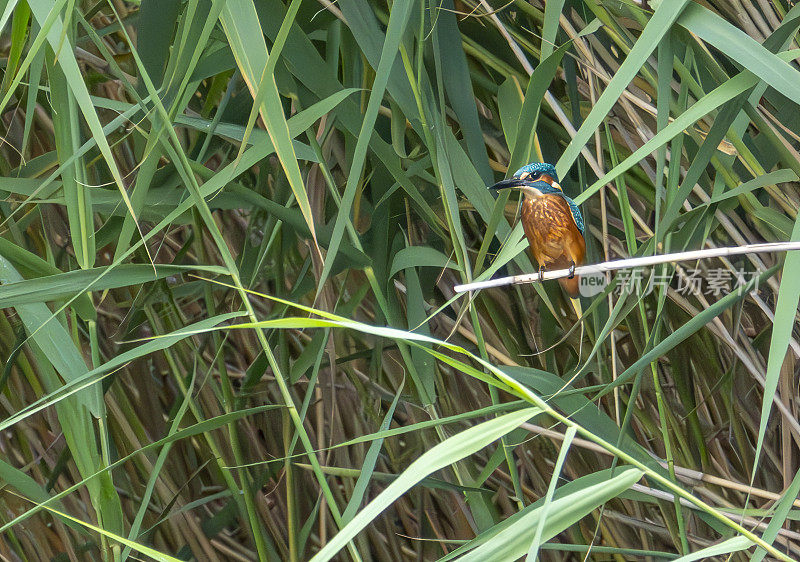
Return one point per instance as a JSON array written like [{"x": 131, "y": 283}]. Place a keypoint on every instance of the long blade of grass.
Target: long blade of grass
[
  {"x": 728, "y": 546},
  {"x": 52, "y": 28},
  {"x": 240, "y": 21},
  {"x": 708, "y": 103},
  {"x": 658, "y": 25},
  {"x": 745, "y": 50},
  {"x": 533, "y": 551},
  {"x": 94, "y": 375},
  {"x": 574, "y": 501},
  {"x": 401, "y": 11},
  {"x": 540, "y": 81},
  {"x": 444, "y": 454},
  {"x": 779, "y": 517},
  {"x": 783, "y": 325},
  {"x": 63, "y": 285},
  {"x": 456, "y": 79},
  {"x": 78, "y": 414},
  {"x": 368, "y": 467},
  {"x": 144, "y": 549}
]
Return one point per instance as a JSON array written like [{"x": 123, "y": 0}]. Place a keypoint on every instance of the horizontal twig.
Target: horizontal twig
[{"x": 630, "y": 263}]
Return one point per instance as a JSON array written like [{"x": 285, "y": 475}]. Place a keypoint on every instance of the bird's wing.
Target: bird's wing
[
  {"x": 576, "y": 212},
  {"x": 573, "y": 206}
]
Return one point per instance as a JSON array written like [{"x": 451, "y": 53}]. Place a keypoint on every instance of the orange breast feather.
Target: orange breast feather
[{"x": 554, "y": 238}]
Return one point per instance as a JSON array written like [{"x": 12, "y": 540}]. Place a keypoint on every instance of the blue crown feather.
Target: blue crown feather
[{"x": 541, "y": 167}]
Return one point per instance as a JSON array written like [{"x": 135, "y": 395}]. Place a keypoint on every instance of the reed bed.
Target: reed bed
[{"x": 230, "y": 233}]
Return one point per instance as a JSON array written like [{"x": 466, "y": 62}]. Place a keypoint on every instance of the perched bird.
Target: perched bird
[{"x": 552, "y": 221}]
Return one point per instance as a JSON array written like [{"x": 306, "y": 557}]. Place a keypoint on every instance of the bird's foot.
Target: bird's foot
[
  {"x": 541, "y": 274},
  {"x": 571, "y": 271}
]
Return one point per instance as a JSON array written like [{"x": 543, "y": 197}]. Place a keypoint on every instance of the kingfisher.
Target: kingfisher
[{"x": 552, "y": 221}]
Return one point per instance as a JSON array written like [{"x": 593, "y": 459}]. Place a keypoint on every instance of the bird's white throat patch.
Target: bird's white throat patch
[{"x": 531, "y": 191}]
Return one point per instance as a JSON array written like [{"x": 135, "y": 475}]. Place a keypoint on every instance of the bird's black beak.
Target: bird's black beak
[{"x": 511, "y": 182}]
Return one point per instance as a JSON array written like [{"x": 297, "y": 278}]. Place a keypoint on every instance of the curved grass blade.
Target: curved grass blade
[
  {"x": 533, "y": 552},
  {"x": 94, "y": 375},
  {"x": 510, "y": 539},
  {"x": 151, "y": 552},
  {"x": 419, "y": 256},
  {"x": 658, "y": 25},
  {"x": 444, "y": 454},
  {"x": 64, "y": 285},
  {"x": 52, "y": 28},
  {"x": 199, "y": 428},
  {"x": 728, "y": 546},
  {"x": 742, "y": 48},
  {"x": 370, "y": 458},
  {"x": 240, "y": 22},
  {"x": 782, "y": 327},
  {"x": 401, "y": 11},
  {"x": 705, "y": 105},
  {"x": 540, "y": 81}
]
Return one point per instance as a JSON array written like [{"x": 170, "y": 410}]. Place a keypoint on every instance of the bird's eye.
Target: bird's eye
[{"x": 535, "y": 175}]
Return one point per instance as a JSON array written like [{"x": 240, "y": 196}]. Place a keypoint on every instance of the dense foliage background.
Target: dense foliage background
[{"x": 230, "y": 234}]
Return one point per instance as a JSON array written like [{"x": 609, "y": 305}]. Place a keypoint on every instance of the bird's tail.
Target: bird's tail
[{"x": 571, "y": 286}]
